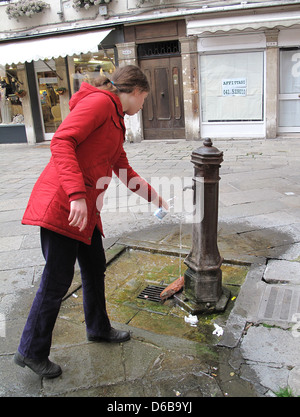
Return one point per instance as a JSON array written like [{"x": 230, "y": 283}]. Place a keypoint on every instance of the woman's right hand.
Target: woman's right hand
[
  {"x": 78, "y": 214},
  {"x": 160, "y": 202}
]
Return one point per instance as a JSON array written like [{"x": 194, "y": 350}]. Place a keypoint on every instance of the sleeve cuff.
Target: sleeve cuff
[{"x": 76, "y": 196}]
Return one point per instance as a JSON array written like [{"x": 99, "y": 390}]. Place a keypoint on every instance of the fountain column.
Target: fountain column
[{"x": 203, "y": 289}]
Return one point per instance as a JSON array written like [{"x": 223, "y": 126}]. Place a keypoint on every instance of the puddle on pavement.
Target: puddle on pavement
[{"x": 134, "y": 270}]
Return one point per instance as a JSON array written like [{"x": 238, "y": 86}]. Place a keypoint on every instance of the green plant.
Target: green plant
[
  {"x": 61, "y": 90},
  {"x": 21, "y": 93},
  {"x": 285, "y": 392},
  {"x": 25, "y": 8}
]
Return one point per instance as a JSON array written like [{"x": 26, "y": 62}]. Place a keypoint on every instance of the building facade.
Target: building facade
[{"x": 220, "y": 69}]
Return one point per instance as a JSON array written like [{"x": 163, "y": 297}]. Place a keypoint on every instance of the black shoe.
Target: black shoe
[
  {"x": 114, "y": 336},
  {"x": 44, "y": 368}
]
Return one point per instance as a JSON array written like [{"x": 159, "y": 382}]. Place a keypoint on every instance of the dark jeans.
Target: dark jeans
[{"x": 60, "y": 253}]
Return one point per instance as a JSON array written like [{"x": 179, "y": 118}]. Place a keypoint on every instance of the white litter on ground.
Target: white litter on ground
[
  {"x": 192, "y": 320},
  {"x": 218, "y": 330}
]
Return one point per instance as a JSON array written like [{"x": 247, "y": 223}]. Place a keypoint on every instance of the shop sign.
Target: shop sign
[
  {"x": 48, "y": 80},
  {"x": 234, "y": 87}
]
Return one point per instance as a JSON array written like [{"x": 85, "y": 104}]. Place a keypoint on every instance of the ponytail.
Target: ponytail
[
  {"x": 105, "y": 84},
  {"x": 124, "y": 80}
]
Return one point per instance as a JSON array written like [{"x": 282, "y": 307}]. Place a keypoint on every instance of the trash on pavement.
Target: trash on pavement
[
  {"x": 218, "y": 330},
  {"x": 192, "y": 320}
]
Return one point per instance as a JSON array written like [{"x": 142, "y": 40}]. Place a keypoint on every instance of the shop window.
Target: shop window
[
  {"x": 232, "y": 87},
  {"x": 89, "y": 66},
  {"x": 11, "y": 110}
]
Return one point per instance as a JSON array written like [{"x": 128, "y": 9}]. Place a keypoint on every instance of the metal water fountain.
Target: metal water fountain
[{"x": 203, "y": 291}]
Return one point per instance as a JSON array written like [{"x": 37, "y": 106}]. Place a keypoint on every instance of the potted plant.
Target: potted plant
[
  {"x": 61, "y": 90},
  {"x": 21, "y": 93},
  {"x": 25, "y": 8}
]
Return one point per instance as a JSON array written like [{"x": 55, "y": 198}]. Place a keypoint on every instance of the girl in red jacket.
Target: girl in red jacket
[{"x": 66, "y": 203}]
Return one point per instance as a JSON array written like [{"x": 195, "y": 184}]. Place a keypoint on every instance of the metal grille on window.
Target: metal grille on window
[{"x": 158, "y": 49}]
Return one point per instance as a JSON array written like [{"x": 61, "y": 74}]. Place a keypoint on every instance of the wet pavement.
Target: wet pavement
[{"x": 259, "y": 229}]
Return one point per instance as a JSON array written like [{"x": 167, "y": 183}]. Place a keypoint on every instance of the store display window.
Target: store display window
[
  {"x": 89, "y": 66},
  {"x": 11, "y": 94},
  {"x": 232, "y": 87}
]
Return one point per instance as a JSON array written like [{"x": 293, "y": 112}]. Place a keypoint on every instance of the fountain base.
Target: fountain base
[{"x": 194, "y": 308}]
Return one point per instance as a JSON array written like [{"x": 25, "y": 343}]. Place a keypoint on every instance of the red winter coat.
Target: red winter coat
[{"x": 87, "y": 146}]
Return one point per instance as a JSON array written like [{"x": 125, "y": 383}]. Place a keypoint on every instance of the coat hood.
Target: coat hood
[{"x": 88, "y": 89}]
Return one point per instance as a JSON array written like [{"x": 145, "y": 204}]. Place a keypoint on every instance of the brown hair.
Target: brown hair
[{"x": 124, "y": 80}]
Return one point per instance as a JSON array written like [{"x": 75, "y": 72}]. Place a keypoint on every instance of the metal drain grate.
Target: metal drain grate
[
  {"x": 279, "y": 303},
  {"x": 151, "y": 293}
]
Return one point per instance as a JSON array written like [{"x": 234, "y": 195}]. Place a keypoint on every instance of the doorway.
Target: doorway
[
  {"x": 163, "y": 111},
  {"x": 289, "y": 90},
  {"x": 48, "y": 97}
]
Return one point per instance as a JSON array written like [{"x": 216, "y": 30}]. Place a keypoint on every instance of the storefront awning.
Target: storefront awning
[
  {"x": 240, "y": 23},
  {"x": 51, "y": 47}
]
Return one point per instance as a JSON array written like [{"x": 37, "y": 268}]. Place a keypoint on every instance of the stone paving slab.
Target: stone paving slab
[
  {"x": 273, "y": 355},
  {"x": 282, "y": 272}
]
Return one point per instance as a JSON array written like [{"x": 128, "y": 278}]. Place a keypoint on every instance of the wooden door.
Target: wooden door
[{"x": 163, "y": 115}]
